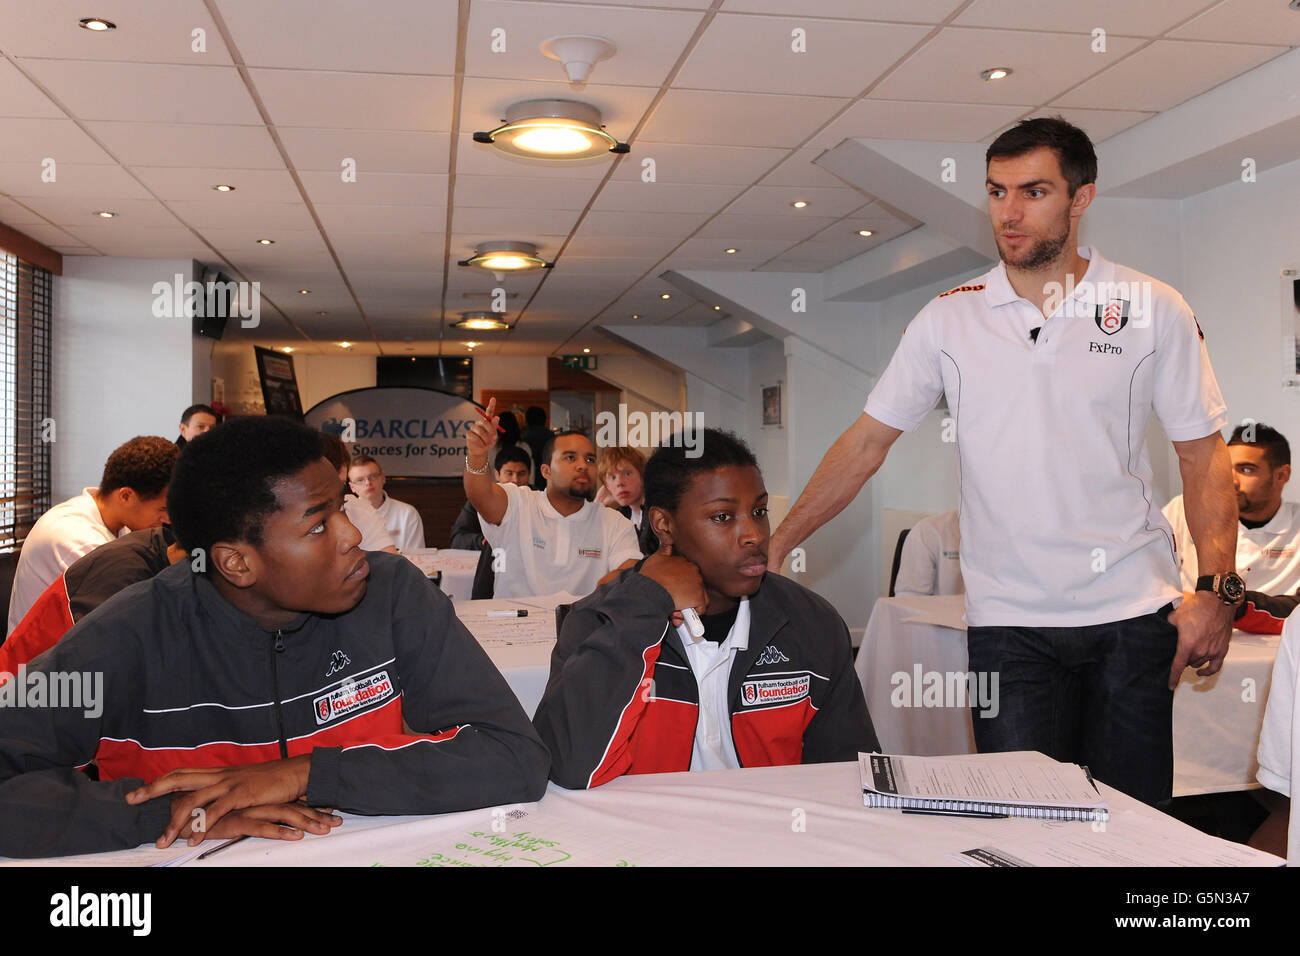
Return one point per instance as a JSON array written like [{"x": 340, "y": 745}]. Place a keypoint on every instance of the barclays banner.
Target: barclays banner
[{"x": 411, "y": 432}]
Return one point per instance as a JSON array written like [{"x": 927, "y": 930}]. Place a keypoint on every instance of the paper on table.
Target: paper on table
[
  {"x": 432, "y": 560},
  {"x": 512, "y": 840},
  {"x": 537, "y": 628},
  {"x": 998, "y": 778}
]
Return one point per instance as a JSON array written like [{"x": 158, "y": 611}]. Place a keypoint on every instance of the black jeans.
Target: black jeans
[{"x": 1096, "y": 695}]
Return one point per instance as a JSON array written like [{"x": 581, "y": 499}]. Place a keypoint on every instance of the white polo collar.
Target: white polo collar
[{"x": 1101, "y": 272}]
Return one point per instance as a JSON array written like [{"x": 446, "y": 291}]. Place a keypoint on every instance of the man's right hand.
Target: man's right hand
[
  {"x": 282, "y": 821},
  {"x": 679, "y": 577},
  {"x": 482, "y": 436}
]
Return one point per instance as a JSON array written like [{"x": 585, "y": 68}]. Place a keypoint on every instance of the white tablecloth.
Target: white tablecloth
[
  {"x": 1217, "y": 719},
  {"x": 765, "y": 816},
  {"x": 525, "y": 663}
]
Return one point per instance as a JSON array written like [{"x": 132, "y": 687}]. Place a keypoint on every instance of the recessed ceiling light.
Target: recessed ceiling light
[
  {"x": 286, "y": 350},
  {"x": 552, "y": 130},
  {"x": 665, "y": 295},
  {"x": 996, "y": 73},
  {"x": 717, "y": 308},
  {"x": 731, "y": 252},
  {"x": 345, "y": 345},
  {"x": 635, "y": 316},
  {"x": 96, "y": 24},
  {"x": 322, "y": 313},
  {"x": 472, "y": 345},
  {"x": 586, "y": 351},
  {"x": 266, "y": 242},
  {"x": 799, "y": 203},
  {"x": 304, "y": 291},
  {"x": 105, "y": 214},
  {"x": 224, "y": 188},
  {"x": 865, "y": 233}
]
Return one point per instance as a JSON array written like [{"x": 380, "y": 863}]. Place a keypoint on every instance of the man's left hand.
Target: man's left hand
[
  {"x": 220, "y": 790},
  {"x": 1204, "y": 629}
]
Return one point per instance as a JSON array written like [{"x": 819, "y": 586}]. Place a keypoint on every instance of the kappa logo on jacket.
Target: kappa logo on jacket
[
  {"x": 771, "y": 655},
  {"x": 339, "y": 662}
]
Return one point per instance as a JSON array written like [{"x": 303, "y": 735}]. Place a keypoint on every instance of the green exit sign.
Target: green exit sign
[{"x": 581, "y": 363}]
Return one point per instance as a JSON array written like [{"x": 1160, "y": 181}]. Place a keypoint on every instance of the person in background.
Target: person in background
[
  {"x": 1268, "y": 528},
  {"x": 620, "y": 471},
  {"x": 511, "y": 466},
  {"x": 1279, "y": 751},
  {"x": 770, "y": 682},
  {"x": 132, "y": 494},
  {"x": 195, "y": 420},
  {"x": 931, "y": 557},
  {"x": 374, "y": 536},
  {"x": 553, "y": 540},
  {"x": 89, "y": 582},
  {"x": 366, "y": 479},
  {"x": 534, "y": 435}
]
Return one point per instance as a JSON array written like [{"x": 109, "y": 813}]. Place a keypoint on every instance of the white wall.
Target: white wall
[
  {"x": 512, "y": 373},
  {"x": 770, "y": 443},
  {"x": 117, "y": 370},
  {"x": 1235, "y": 240},
  {"x": 320, "y": 376}
]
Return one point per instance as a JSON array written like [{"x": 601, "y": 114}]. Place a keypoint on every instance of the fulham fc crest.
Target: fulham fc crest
[{"x": 1113, "y": 316}]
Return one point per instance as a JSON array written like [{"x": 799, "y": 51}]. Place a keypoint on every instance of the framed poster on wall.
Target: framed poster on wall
[{"x": 279, "y": 384}]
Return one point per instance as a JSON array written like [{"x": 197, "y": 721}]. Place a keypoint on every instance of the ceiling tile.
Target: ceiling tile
[
  {"x": 378, "y": 189},
  {"x": 371, "y": 150},
  {"x": 179, "y": 144},
  {"x": 148, "y": 31},
  {"x": 1245, "y": 21},
  {"x": 754, "y": 54},
  {"x": 738, "y": 119},
  {"x": 1167, "y": 73},
  {"x": 147, "y": 92},
  {"x": 355, "y": 100},
  {"x": 342, "y": 219},
  {"x": 102, "y": 183},
  {"x": 777, "y": 200},
  {"x": 735, "y": 229},
  {"x": 74, "y": 211},
  {"x": 912, "y": 11},
  {"x": 20, "y": 97},
  {"x": 517, "y": 223},
  {"x": 666, "y": 224},
  {"x": 195, "y": 184},
  {"x": 636, "y": 196},
  {"x": 692, "y": 163},
  {"x": 257, "y": 220},
  {"x": 496, "y": 192},
  {"x": 1100, "y": 125},
  {"x": 33, "y": 140},
  {"x": 401, "y": 37},
  {"x": 903, "y": 119},
  {"x": 1116, "y": 17},
  {"x": 947, "y": 69}
]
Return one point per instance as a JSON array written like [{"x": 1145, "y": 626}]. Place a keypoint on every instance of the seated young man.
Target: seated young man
[
  {"x": 621, "y": 473},
  {"x": 88, "y": 583},
  {"x": 297, "y": 671},
  {"x": 770, "y": 682},
  {"x": 374, "y": 536},
  {"x": 132, "y": 494},
  {"x": 367, "y": 480},
  {"x": 554, "y": 540}
]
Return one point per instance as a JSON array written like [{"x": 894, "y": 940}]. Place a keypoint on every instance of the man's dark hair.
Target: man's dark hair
[
  {"x": 144, "y": 464},
  {"x": 1072, "y": 146},
  {"x": 1277, "y": 450},
  {"x": 335, "y": 450},
  {"x": 669, "y": 471},
  {"x": 194, "y": 410},
  {"x": 224, "y": 486},
  {"x": 535, "y": 416},
  {"x": 513, "y": 453},
  {"x": 548, "y": 448}
]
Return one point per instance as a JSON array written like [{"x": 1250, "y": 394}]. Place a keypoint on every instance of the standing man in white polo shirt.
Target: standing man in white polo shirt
[
  {"x": 1268, "y": 539},
  {"x": 554, "y": 540},
  {"x": 1052, "y": 363}
]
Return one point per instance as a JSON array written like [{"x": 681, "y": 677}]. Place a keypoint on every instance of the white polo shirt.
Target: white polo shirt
[
  {"x": 713, "y": 747},
  {"x": 931, "y": 558},
  {"x": 546, "y": 552},
  {"x": 364, "y": 517},
  {"x": 1279, "y": 739},
  {"x": 1058, "y": 523},
  {"x": 403, "y": 523},
  {"x": 64, "y": 533},
  {"x": 1268, "y": 558}
]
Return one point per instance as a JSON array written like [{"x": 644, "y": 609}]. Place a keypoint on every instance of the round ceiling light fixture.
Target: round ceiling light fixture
[
  {"x": 552, "y": 130},
  {"x": 481, "y": 322},
  {"x": 500, "y": 257}
]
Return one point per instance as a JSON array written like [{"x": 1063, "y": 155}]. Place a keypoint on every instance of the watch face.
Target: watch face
[{"x": 1232, "y": 587}]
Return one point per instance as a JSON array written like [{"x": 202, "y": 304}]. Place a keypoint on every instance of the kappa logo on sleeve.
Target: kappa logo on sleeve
[
  {"x": 782, "y": 690},
  {"x": 352, "y": 696}
]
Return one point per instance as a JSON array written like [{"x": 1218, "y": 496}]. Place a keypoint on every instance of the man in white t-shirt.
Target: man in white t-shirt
[
  {"x": 931, "y": 559},
  {"x": 1279, "y": 750},
  {"x": 402, "y": 520},
  {"x": 1268, "y": 536},
  {"x": 132, "y": 495},
  {"x": 374, "y": 536},
  {"x": 1052, "y": 364},
  {"x": 553, "y": 540}
]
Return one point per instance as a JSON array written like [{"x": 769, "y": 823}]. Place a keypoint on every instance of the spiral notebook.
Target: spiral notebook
[{"x": 1009, "y": 784}]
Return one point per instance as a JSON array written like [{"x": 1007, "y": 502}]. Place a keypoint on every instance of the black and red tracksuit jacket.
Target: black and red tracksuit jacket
[
  {"x": 87, "y": 583},
  {"x": 1264, "y": 613},
  {"x": 190, "y": 681},
  {"x": 622, "y": 698}
]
